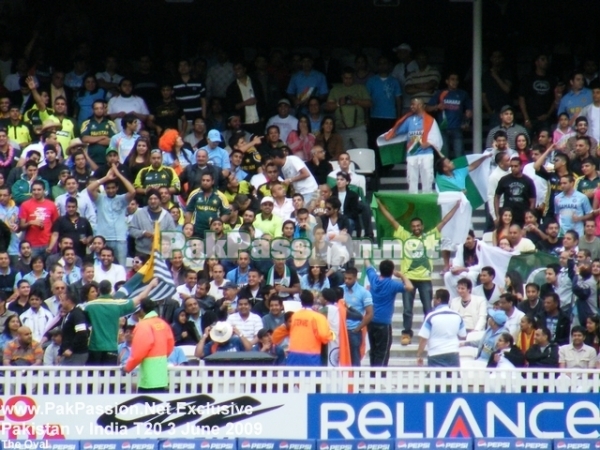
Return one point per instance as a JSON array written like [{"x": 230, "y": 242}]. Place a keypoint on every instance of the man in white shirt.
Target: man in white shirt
[
  {"x": 126, "y": 103},
  {"x": 541, "y": 185},
  {"x": 464, "y": 265},
  {"x": 107, "y": 270},
  {"x": 518, "y": 242},
  {"x": 283, "y": 207},
  {"x": 85, "y": 207},
  {"x": 576, "y": 355},
  {"x": 218, "y": 281},
  {"x": 295, "y": 172},
  {"x": 508, "y": 304},
  {"x": 187, "y": 289},
  {"x": 472, "y": 309},
  {"x": 248, "y": 323},
  {"x": 109, "y": 79},
  {"x": 358, "y": 182},
  {"x": 488, "y": 289},
  {"x": 124, "y": 141},
  {"x": 283, "y": 119},
  {"x": 502, "y": 160},
  {"x": 36, "y": 317},
  {"x": 441, "y": 332}
]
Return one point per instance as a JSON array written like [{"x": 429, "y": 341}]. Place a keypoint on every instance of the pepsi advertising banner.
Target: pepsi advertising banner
[
  {"x": 342, "y": 444},
  {"x": 577, "y": 444},
  {"x": 218, "y": 444},
  {"x": 427, "y": 444},
  {"x": 275, "y": 444},
  {"x": 439, "y": 416},
  {"x": 533, "y": 444},
  {"x": 113, "y": 444},
  {"x": 180, "y": 444}
]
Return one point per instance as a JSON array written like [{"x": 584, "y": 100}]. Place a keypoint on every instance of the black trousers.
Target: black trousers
[
  {"x": 162, "y": 390},
  {"x": 380, "y": 339},
  {"x": 102, "y": 359}
]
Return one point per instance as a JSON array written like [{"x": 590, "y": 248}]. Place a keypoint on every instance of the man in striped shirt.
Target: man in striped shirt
[
  {"x": 441, "y": 332},
  {"x": 190, "y": 93}
]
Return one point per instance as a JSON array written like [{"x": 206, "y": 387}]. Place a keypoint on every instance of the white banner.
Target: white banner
[{"x": 154, "y": 416}]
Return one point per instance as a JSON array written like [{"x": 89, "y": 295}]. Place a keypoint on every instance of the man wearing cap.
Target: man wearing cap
[
  {"x": 216, "y": 155},
  {"x": 68, "y": 128},
  {"x": 508, "y": 125},
  {"x": 206, "y": 204},
  {"x": 283, "y": 119},
  {"x": 487, "y": 345},
  {"x": 124, "y": 141},
  {"x": 97, "y": 132},
  {"x": 157, "y": 175},
  {"x": 152, "y": 343},
  {"x": 266, "y": 221},
  {"x": 307, "y": 83},
  {"x": 223, "y": 338},
  {"x": 52, "y": 169},
  {"x": 112, "y": 160},
  {"x": 403, "y": 69},
  {"x": 16, "y": 129}
]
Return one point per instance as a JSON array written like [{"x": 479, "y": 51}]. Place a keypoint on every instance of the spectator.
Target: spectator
[
  {"x": 423, "y": 81},
  {"x": 51, "y": 357},
  {"x": 23, "y": 351},
  {"x": 85, "y": 98},
  {"x": 577, "y": 355},
  {"x": 526, "y": 334},
  {"x": 184, "y": 331},
  {"x": 331, "y": 141},
  {"x": 508, "y": 304},
  {"x": 318, "y": 166},
  {"x": 487, "y": 289},
  {"x": 497, "y": 85},
  {"x": 307, "y": 83},
  {"x": 464, "y": 265},
  {"x": 265, "y": 345},
  {"x": 588, "y": 241},
  {"x": 576, "y": 203},
  {"x": 487, "y": 344},
  {"x": 554, "y": 320},
  {"x": 536, "y": 95},
  {"x": 440, "y": 333},
  {"x": 543, "y": 352},
  {"x": 275, "y": 318},
  {"x": 75, "y": 331},
  {"x": 97, "y": 132},
  {"x": 35, "y": 317},
  {"x": 223, "y": 338},
  {"x": 472, "y": 309},
  {"x": 245, "y": 321},
  {"x": 506, "y": 355},
  {"x": 145, "y": 219},
  {"x": 107, "y": 269},
  {"x": 245, "y": 96},
  {"x": 508, "y": 126},
  {"x": 592, "y": 332},
  {"x": 190, "y": 93},
  {"x": 558, "y": 281},
  {"x": 532, "y": 305}
]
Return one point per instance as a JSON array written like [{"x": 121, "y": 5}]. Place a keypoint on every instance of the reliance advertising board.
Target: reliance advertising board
[{"x": 285, "y": 419}]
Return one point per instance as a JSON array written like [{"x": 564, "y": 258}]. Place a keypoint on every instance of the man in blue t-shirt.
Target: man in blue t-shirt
[
  {"x": 572, "y": 208},
  {"x": 453, "y": 108},
  {"x": 360, "y": 299},
  {"x": 383, "y": 290}
]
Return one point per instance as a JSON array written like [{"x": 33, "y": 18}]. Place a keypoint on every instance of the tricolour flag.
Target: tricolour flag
[
  {"x": 531, "y": 266},
  {"x": 393, "y": 148},
  {"x": 476, "y": 182},
  {"x": 430, "y": 208},
  {"x": 155, "y": 267}
]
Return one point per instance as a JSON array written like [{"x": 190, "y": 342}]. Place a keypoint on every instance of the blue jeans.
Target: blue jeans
[
  {"x": 444, "y": 360},
  {"x": 453, "y": 141},
  {"x": 355, "y": 341},
  {"x": 120, "y": 249},
  {"x": 408, "y": 299},
  {"x": 39, "y": 251}
]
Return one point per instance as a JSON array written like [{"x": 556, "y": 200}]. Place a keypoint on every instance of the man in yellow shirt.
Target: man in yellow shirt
[
  {"x": 419, "y": 248},
  {"x": 16, "y": 129},
  {"x": 266, "y": 221}
]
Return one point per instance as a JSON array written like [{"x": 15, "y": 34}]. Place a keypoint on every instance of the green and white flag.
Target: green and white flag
[{"x": 476, "y": 182}]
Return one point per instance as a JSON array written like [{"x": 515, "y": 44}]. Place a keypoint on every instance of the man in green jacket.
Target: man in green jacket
[{"x": 21, "y": 190}]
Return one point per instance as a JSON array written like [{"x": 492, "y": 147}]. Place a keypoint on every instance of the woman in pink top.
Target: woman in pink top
[
  {"x": 522, "y": 148},
  {"x": 302, "y": 140}
]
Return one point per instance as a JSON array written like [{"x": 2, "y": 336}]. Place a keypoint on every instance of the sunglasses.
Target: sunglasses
[{"x": 137, "y": 261}]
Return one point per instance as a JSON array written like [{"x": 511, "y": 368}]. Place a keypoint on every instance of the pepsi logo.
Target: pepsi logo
[
  {"x": 283, "y": 445},
  {"x": 439, "y": 444},
  {"x": 324, "y": 446},
  {"x": 561, "y": 445},
  {"x": 205, "y": 444},
  {"x": 520, "y": 444},
  {"x": 361, "y": 446},
  {"x": 401, "y": 444},
  {"x": 245, "y": 444},
  {"x": 167, "y": 444},
  {"x": 481, "y": 443},
  {"x": 597, "y": 445},
  {"x": 88, "y": 446},
  {"x": 125, "y": 445}
]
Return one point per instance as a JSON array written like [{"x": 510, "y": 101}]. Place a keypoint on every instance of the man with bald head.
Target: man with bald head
[
  {"x": 192, "y": 174},
  {"x": 23, "y": 351},
  {"x": 318, "y": 166},
  {"x": 518, "y": 242}
]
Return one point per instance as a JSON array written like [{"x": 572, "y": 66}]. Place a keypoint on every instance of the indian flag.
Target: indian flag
[
  {"x": 155, "y": 267},
  {"x": 476, "y": 183},
  {"x": 394, "y": 148},
  {"x": 430, "y": 208},
  {"x": 531, "y": 266}
]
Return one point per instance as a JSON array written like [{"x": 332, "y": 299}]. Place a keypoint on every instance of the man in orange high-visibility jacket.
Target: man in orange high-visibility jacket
[
  {"x": 153, "y": 342},
  {"x": 308, "y": 332}
]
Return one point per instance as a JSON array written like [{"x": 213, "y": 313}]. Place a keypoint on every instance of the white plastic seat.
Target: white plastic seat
[
  {"x": 189, "y": 351},
  {"x": 365, "y": 159}
]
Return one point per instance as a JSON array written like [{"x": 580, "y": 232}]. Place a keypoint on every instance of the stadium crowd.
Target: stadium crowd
[{"x": 93, "y": 162}]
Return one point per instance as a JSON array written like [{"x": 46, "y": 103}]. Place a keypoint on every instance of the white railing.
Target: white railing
[{"x": 282, "y": 380}]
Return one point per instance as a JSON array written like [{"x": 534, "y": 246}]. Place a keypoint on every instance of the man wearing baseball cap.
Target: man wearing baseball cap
[
  {"x": 403, "y": 69},
  {"x": 508, "y": 125},
  {"x": 266, "y": 221},
  {"x": 216, "y": 155},
  {"x": 486, "y": 346},
  {"x": 283, "y": 119}
]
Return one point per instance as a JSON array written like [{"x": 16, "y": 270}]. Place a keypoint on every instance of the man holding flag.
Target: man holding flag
[{"x": 420, "y": 135}]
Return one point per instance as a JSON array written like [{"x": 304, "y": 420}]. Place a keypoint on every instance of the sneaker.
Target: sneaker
[{"x": 405, "y": 339}]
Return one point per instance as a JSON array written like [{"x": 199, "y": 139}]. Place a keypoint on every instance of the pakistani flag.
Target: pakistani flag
[
  {"x": 155, "y": 267},
  {"x": 476, "y": 182},
  {"x": 531, "y": 266},
  {"x": 430, "y": 208},
  {"x": 396, "y": 145}
]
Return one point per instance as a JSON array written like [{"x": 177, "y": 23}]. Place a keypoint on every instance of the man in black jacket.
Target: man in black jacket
[
  {"x": 318, "y": 166},
  {"x": 554, "y": 320},
  {"x": 543, "y": 352},
  {"x": 192, "y": 174},
  {"x": 245, "y": 97},
  {"x": 75, "y": 331}
]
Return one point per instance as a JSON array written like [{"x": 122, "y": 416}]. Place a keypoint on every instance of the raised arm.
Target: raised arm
[
  {"x": 540, "y": 162},
  {"x": 480, "y": 161},
  {"x": 448, "y": 217},
  {"x": 130, "y": 189},
  {"x": 387, "y": 214}
]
